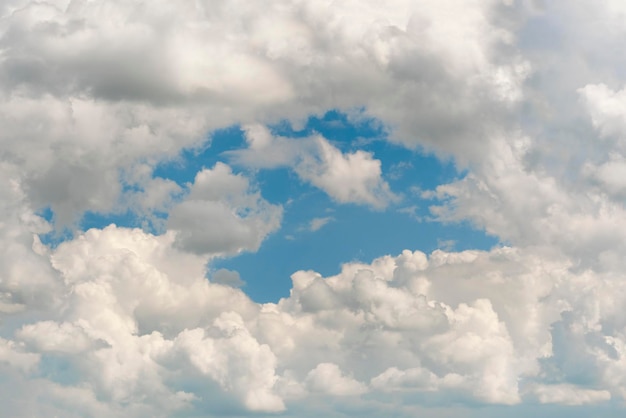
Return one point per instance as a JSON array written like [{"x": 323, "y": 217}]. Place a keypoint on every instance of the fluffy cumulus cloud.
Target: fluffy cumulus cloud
[
  {"x": 141, "y": 330},
  {"x": 526, "y": 97},
  {"x": 347, "y": 178},
  {"x": 222, "y": 215}
]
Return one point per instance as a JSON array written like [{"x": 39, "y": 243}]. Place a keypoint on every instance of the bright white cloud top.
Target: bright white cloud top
[{"x": 526, "y": 98}]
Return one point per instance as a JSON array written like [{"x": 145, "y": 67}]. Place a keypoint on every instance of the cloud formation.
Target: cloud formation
[
  {"x": 139, "y": 323},
  {"x": 528, "y": 98}
]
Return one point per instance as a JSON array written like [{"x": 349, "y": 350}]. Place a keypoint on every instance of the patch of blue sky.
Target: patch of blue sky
[
  {"x": 352, "y": 232},
  {"x": 184, "y": 168},
  {"x": 342, "y": 232},
  {"x": 88, "y": 220},
  {"x": 127, "y": 219},
  {"x": 46, "y": 213}
]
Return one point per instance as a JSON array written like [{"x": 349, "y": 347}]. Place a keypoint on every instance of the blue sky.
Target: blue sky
[
  {"x": 343, "y": 239},
  {"x": 406, "y": 224},
  {"x": 304, "y": 208}
]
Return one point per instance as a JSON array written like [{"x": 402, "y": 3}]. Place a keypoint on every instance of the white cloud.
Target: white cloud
[
  {"x": 610, "y": 175},
  {"x": 49, "y": 336},
  {"x": 327, "y": 378},
  {"x": 233, "y": 358},
  {"x": 347, "y": 178},
  {"x": 392, "y": 380},
  {"x": 151, "y": 195},
  {"x": 141, "y": 326},
  {"x": 128, "y": 314},
  {"x": 606, "y": 108},
  {"x": 531, "y": 206},
  {"x": 222, "y": 214},
  {"x": 97, "y": 89},
  {"x": 120, "y": 322}
]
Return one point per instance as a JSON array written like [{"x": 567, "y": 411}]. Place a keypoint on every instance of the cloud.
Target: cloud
[
  {"x": 95, "y": 89},
  {"x": 393, "y": 380},
  {"x": 570, "y": 395},
  {"x": 470, "y": 326},
  {"x": 505, "y": 192},
  {"x": 235, "y": 359},
  {"x": 347, "y": 178},
  {"x": 221, "y": 214},
  {"x": 228, "y": 278},
  {"x": 318, "y": 223},
  {"x": 266, "y": 150},
  {"x": 327, "y": 378},
  {"x": 12, "y": 355},
  {"x": 350, "y": 178},
  {"x": 123, "y": 322}
]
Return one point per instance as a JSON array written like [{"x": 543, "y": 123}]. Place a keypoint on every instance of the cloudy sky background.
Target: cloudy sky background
[{"x": 312, "y": 208}]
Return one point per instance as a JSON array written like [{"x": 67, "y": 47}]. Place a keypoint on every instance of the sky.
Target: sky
[{"x": 298, "y": 208}]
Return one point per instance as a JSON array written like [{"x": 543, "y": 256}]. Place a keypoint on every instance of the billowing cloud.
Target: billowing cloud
[
  {"x": 527, "y": 99},
  {"x": 96, "y": 87},
  {"x": 139, "y": 323},
  {"x": 327, "y": 378}
]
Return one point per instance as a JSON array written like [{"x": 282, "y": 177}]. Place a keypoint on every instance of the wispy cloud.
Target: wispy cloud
[{"x": 317, "y": 223}]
